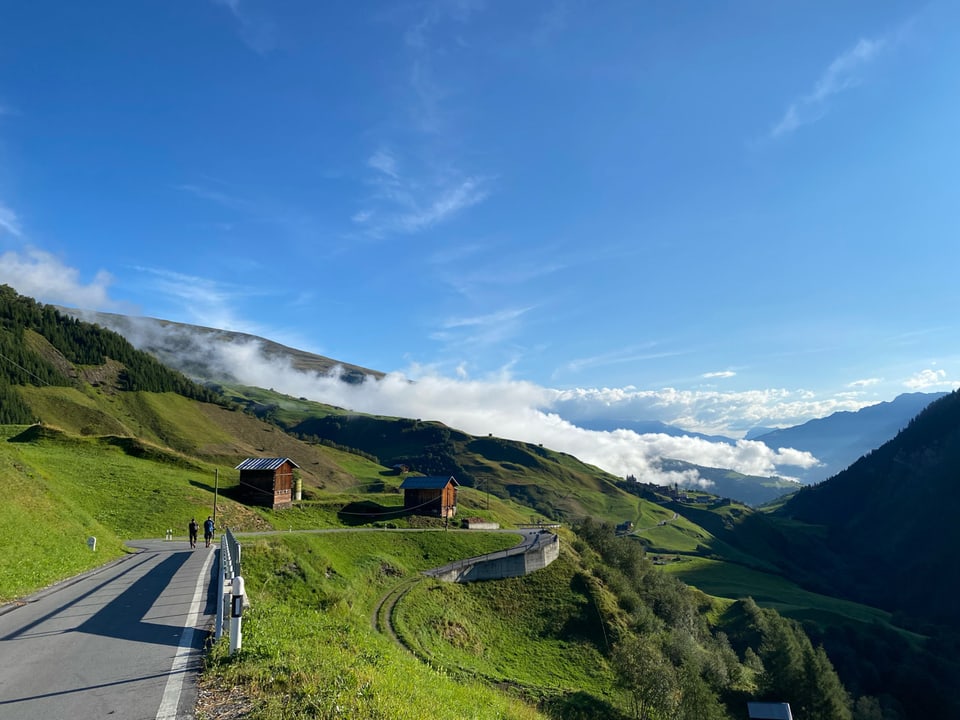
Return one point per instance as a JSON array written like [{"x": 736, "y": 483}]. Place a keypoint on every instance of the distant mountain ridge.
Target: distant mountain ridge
[{"x": 838, "y": 440}]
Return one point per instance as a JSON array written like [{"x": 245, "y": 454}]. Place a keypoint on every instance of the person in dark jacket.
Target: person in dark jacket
[
  {"x": 193, "y": 528},
  {"x": 208, "y": 531}
]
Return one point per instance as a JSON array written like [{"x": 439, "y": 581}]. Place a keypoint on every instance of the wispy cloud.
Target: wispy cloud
[
  {"x": 844, "y": 73},
  {"x": 407, "y": 205},
  {"x": 202, "y": 301},
  {"x": 865, "y": 382},
  {"x": 427, "y": 185},
  {"x": 496, "y": 318},
  {"x": 45, "y": 277},
  {"x": 385, "y": 162},
  {"x": 216, "y": 196},
  {"x": 258, "y": 32},
  {"x": 481, "y": 330},
  {"x": 618, "y": 357},
  {"x": 9, "y": 222},
  {"x": 719, "y": 374},
  {"x": 447, "y": 202}
]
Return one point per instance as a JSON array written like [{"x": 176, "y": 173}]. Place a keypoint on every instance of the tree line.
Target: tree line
[
  {"x": 673, "y": 663},
  {"x": 81, "y": 344}
]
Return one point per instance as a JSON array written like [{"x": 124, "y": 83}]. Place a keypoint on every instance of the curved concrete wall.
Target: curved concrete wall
[{"x": 536, "y": 552}]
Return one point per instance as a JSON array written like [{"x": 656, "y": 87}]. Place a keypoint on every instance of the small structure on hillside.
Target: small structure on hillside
[
  {"x": 268, "y": 481},
  {"x": 480, "y": 524},
  {"x": 430, "y": 495},
  {"x": 769, "y": 711}
]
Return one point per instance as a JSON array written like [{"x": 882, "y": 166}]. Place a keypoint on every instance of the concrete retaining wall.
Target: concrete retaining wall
[{"x": 538, "y": 550}]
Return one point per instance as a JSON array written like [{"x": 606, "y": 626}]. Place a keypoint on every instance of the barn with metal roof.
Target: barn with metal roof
[
  {"x": 431, "y": 495},
  {"x": 268, "y": 481}
]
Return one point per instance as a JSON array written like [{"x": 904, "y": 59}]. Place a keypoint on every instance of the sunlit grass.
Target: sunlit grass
[{"x": 309, "y": 648}]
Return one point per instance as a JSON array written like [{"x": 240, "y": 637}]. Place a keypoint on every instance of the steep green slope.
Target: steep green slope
[
  {"x": 60, "y": 489},
  {"x": 552, "y": 483},
  {"x": 309, "y": 647},
  {"x": 590, "y": 636},
  {"x": 889, "y": 523}
]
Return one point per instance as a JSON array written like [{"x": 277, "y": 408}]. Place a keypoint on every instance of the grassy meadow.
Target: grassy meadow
[
  {"x": 540, "y": 635},
  {"x": 59, "y": 490},
  {"x": 310, "y": 649},
  {"x": 732, "y": 581}
]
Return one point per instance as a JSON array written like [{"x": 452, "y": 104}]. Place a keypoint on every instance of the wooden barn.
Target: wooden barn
[
  {"x": 267, "y": 481},
  {"x": 430, "y": 495}
]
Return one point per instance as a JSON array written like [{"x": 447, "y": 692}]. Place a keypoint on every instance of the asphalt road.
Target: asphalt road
[{"x": 123, "y": 642}]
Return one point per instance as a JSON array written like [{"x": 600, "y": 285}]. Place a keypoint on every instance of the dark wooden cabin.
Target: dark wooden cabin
[
  {"x": 430, "y": 495},
  {"x": 267, "y": 481}
]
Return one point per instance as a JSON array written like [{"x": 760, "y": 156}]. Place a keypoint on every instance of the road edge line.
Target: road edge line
[{"x": 170, "y": 702}]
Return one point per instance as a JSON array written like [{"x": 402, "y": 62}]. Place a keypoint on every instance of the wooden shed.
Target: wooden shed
[
  {"x": 430, "y": 495},
  {"x": 267, "y": 481}
]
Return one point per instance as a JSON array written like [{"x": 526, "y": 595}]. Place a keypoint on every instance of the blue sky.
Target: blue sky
[{"x": 716, "y": 215}]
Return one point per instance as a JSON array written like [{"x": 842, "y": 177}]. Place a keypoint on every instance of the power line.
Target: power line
[{"x": 28, "y": 372}]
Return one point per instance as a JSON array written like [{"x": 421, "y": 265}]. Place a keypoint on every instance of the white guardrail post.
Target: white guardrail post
[{"x": 236, "y": 615}]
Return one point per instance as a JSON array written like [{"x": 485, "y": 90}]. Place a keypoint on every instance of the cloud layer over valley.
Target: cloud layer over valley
[{"x": 507, "y": 407}]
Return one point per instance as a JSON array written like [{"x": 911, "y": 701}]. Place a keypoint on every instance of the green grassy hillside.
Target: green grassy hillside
[
  {"x": 554, "y": 484},
  {"x": 125, "y": 448},
  {"x": 310, "y": 649}
]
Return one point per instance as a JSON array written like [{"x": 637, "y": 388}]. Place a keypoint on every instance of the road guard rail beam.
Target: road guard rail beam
[{"x": 228, "y": 570}]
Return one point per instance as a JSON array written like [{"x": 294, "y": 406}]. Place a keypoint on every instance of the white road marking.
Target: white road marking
[{"x": 178, "y": 671}]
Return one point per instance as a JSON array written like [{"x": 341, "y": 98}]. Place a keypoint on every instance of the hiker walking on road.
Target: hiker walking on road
[
  {"x": 193, "y": 527},
  {"x": 208, "y": 530}
]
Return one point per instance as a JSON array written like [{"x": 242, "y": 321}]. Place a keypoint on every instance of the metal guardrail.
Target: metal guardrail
[
  {"x": 232, "y": 563},
  {"x": 229, "y": 568}
]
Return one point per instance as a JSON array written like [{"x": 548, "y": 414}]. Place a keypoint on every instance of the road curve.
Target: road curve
[{"x": 123, "y": 641}]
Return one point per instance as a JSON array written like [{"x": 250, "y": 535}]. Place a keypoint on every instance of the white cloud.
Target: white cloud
[
  {"x": 929, "y": 379},
  {"x": 513, "y": 409},
  {"x": 42, "y": 276},
  {"x": 719, "y": 374},
  {"x": 705, "y": 411},
  {"x": 865, "y": 382},
  {"x": 9, "y": 222},
  {"x": 496, "y": 405},
  {"x": 843, "y": 73}
]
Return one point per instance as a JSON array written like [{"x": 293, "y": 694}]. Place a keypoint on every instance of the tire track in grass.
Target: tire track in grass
[{"x": 382, "y": 618}]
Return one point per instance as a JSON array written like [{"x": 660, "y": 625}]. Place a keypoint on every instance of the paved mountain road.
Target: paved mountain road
[{"x": 123, "y": 642}]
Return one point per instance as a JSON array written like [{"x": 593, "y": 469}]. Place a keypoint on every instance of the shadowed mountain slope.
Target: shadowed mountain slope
[{"x": 890, "y": 519}]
